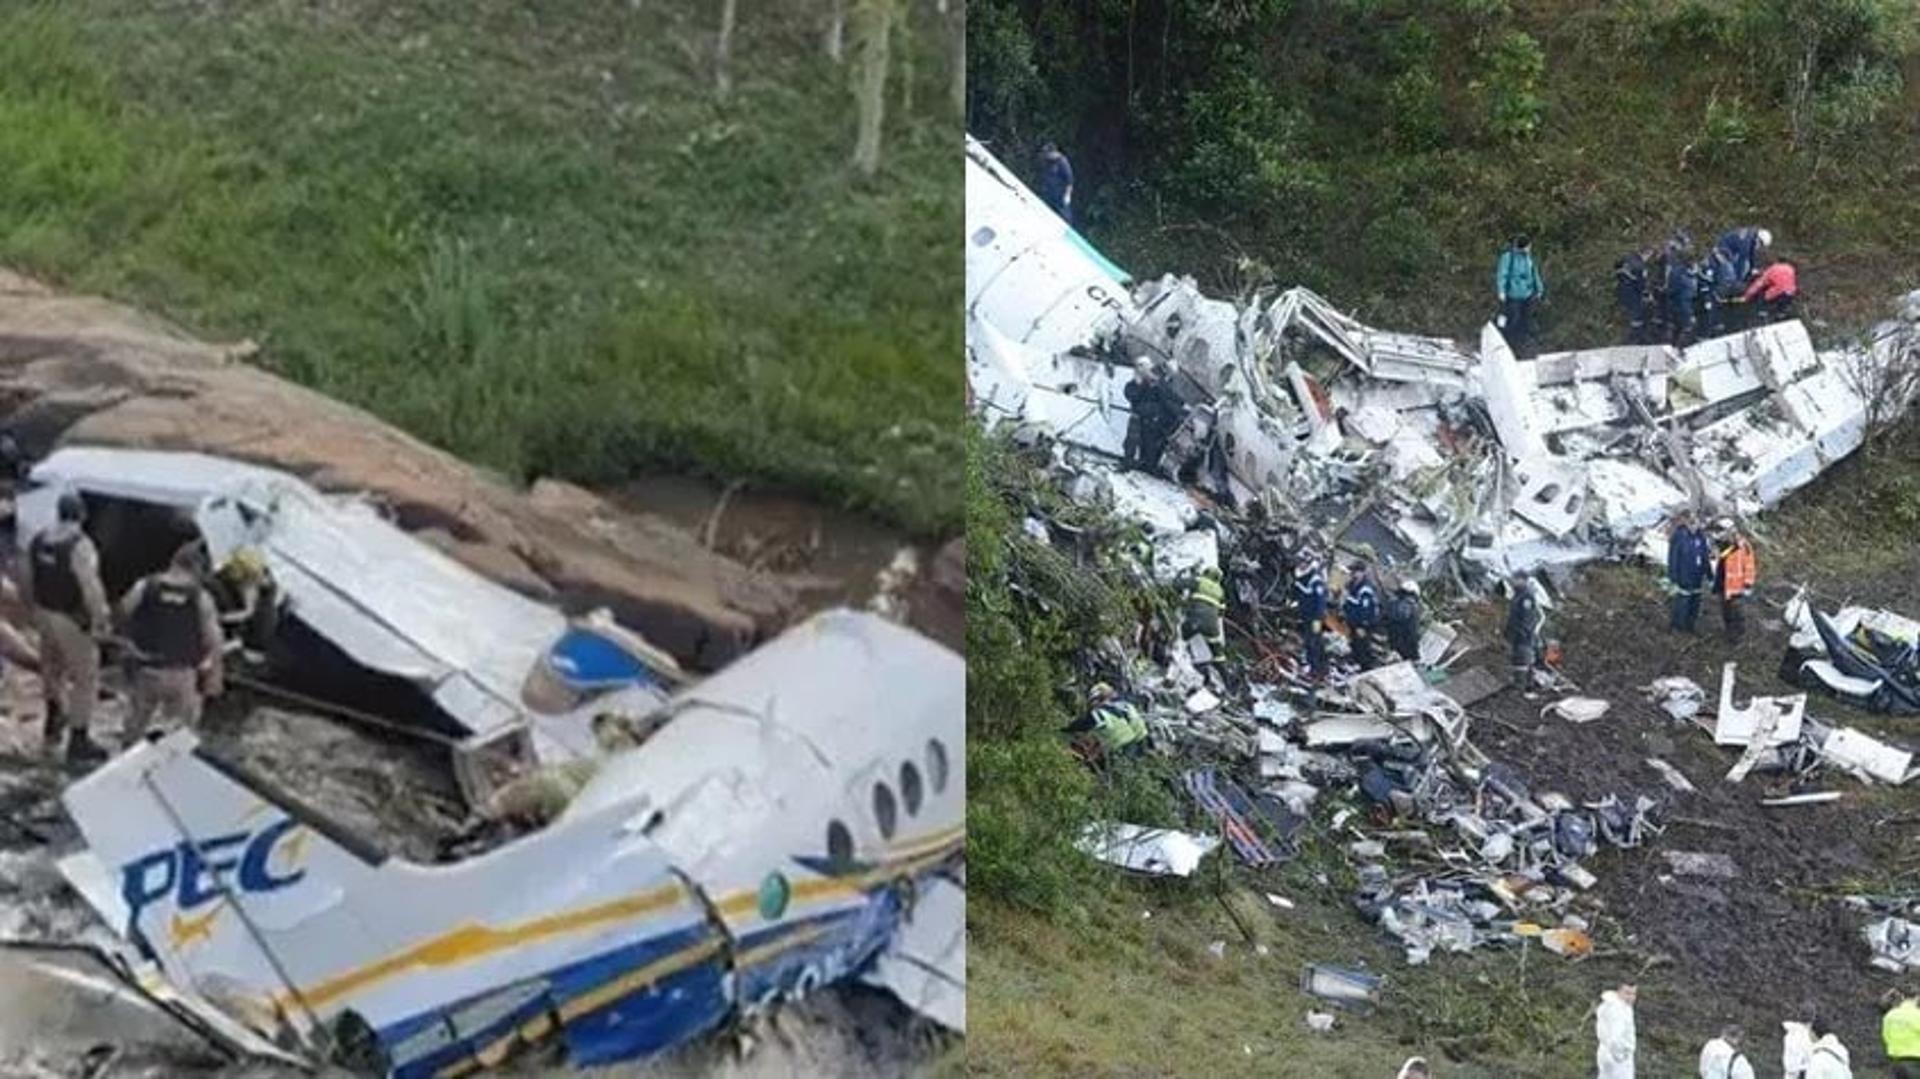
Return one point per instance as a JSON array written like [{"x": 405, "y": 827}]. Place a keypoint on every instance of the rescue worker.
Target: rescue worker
[
  {"x": 1721, "y": 1057},
  {"x": 1415, "y": 1068},
  {"x": 248, "y": 601},
  {"x": 1360, "y": 610},
  {"x": 1403, "y": 620},
  {"x": 1517, "y": 280},
  {"x": 1796, "y": 1049},
  {"x": 1776, "y": 290},
  {"x": 1310, "y": 606},
  {"x": 1683, "y": 286},
  {"x": 1687, "y": 564},
  {"x": 1715, "y": 287},
  {"x": 1056, "y": 181},
  {"x": 1742, "y": 249},
  {"x": 173, "y": 633},
  {"x": 1156, "y": 413},
  {"x": 1206, "y": 599},
  {"x": 1114, "y": 724},
  {"x": 1524, "y": 620},
  {"x": 1829, "y": 1059},
  {"x": 1613, "y": 1031},
  {"x": 60, "y": 574},
  {"x": 531, "y": 801},
  {"x": 1734, "y": 570},
  {"x": 1630, "y": 292},
  {"x": 1900, "y": 1031}
]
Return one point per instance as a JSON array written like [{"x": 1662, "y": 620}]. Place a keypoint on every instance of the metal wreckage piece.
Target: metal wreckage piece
[{"x": 1443, "y": 458}]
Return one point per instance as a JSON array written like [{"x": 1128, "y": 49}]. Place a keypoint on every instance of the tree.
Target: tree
[
  {"x": 873, "y": 30},
  {"x": 723, "y": 49}
]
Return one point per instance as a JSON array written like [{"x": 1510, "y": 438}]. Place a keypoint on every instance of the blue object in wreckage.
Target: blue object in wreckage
[{"x": 588, "y": 659}]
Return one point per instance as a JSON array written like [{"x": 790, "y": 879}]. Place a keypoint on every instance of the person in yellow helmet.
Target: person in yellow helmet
[
  {"x": 248, "y": 600},
  {"x": 1900, "y": 1031},
  {"x": 1112, "y": 725}
]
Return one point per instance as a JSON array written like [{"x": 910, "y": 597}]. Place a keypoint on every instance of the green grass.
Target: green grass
[{"x": 531, "y": 234}]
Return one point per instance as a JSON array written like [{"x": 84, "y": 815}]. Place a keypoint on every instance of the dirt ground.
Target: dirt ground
[{"x": 1775, "y": 943}]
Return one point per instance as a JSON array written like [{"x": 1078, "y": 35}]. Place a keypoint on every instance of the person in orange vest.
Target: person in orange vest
[
  {"x": 1776, "y": 290},
  {"x": 1734, "y": 570}
]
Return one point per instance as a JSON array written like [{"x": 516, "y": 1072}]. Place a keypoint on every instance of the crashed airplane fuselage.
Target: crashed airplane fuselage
[
  {"x": 1429, "y": 453},
  {"x": 770, "y": 838},
  {"x": 506, "y": 680}
]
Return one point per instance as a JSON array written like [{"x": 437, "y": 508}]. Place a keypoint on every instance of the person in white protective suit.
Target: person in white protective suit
[
  {"x": 1721, "y": 1057},
  {"x": 1613, "y": 1030},
  {"x": 1796, "y": 1049},
  {"x": 1829, "y": 1059}
]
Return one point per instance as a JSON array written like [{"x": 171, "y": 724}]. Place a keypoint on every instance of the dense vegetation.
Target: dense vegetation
[
  {"x": 538, "y": 235},
  {"x": 1382, "y": 150}
]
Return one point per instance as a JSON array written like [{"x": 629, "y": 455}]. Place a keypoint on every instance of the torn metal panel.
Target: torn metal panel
[
  {"x": 1552, "y": 494},
  {"x": 1164, "y": 509},
  {"x": 1509, "y": 397},
  {"x": 926, "y": 965},
  {"x": 1154, "y": 851},
  {"x": 1862, "y": 752},
  {"x": 1737, "y": 726},
  {"x": 1187, "y": 553}
]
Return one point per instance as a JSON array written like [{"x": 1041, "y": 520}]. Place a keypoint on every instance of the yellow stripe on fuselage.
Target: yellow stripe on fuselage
[{"x": 471, "y": 941}]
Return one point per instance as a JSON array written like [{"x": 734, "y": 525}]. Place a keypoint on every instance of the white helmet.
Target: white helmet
[
  {"x": 1410, "y": 585},
  {"x": 1766, "y": 238}
]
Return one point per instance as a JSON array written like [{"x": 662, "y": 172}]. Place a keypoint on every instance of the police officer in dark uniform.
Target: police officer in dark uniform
[
  {"x": 174, "y": 631},
  {"x": 60, "y": 576}
]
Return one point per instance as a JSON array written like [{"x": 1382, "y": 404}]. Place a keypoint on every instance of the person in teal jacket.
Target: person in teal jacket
[{"x": 1518, "y": 282}]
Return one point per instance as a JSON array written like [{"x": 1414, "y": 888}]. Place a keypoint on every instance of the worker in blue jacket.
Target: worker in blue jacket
[
  {"x": 1743, "y": 248},
  {"x": 1688, "y": 563},
  {"x": 1310, "y": 605},
  {"x": 1360, "y": 609},
  {"x": 1682, "y": 288},
  {"x": 1517, "y": 281}
]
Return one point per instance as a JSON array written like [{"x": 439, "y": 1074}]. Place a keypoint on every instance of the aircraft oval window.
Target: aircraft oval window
[
  {"x": 910, "y": 790},
  {"x": 886, "y": 813},
  {"x": 937, "y": 765},
  {"x": 775, "y": 894},
  {"x": 982, "y": 236},
  {"x": 839, "y": 846}
]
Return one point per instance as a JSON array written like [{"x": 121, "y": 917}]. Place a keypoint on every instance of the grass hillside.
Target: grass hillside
[
  {"x": 1382, "y": 151},
  {"x": 533, "y": 234}
]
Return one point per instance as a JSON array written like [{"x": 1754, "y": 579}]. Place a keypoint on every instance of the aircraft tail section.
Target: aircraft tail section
[{"x": 216, "y": 877}]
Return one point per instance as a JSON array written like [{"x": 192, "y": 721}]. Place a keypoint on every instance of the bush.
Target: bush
[
  {"x": 1512, "y": 87},
  {"x": 1247, "y": 145},
  {"x": 1416, "y": 117}
]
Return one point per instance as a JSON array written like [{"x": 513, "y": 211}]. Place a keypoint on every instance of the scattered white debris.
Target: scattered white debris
[
  {"x": 1694, "y": 864},
  {"x": 1679, "y": 696},
  {"x": 1737, "y": 726},
  {"x": 1867, "y": 755},
  {"x": 1895, "y": 943},
  {"x": 1578, "y": 709},
  {"x": 1320, "y": 1022},
  {"x": 1280, "y": 901},
  {"x": 1671, "y": 774},
  {"x": 1813, "y": 798},
  {"x": 1218, "y": 949},
  {"x": 1202, "y": 702},
  {"x": 1156, "y": 851}
]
